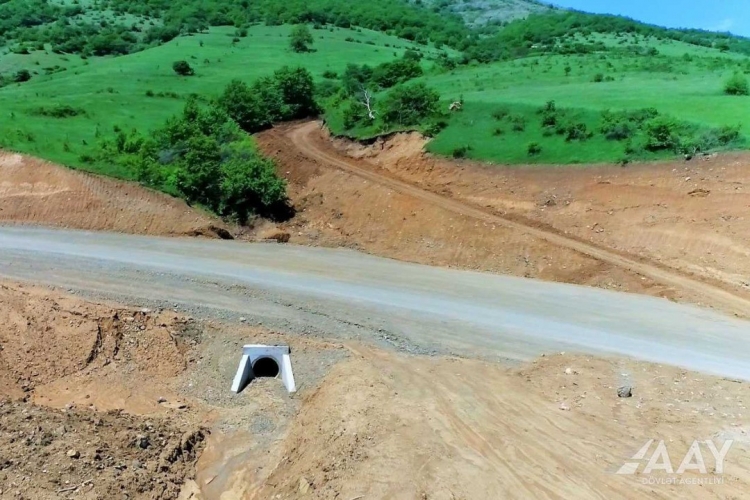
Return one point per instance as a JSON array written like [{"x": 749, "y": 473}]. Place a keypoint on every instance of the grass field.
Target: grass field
[
  {"x": 687, "y": 87},
  {"x": 111, "y": 92},
  {"x": 682, "y": 81}
]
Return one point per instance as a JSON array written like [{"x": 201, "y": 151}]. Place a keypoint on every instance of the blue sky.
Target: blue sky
[{"x": 717, "y": 15}]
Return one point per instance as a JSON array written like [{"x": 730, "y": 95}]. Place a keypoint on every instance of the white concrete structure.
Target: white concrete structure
[{"x": 254, "y": 353}]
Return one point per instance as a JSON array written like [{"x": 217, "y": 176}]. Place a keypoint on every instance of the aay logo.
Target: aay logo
[{"x": 660, "y": 460}]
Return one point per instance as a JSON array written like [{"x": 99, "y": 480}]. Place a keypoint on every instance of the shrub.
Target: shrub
[
  {"x": 410, "y": 104},
  {"x": 498, "y": 131},
  {"x": 22, "y": 75},
  {"x": 330, "y": 74},
  {"x": 533, "y": 149},
  {"x": 661, "y": 134},
  {"x": 301, "y": 39},
  {"x": 461, "y": 151},
  {"x": 518, "y": 122},
  {"x": 500, "y": 113},
  {"x": 598, "y": 78},
  {"x": 577, "y": 132},
  {"x": 244, "y": 106},
  {"x": 58, "y": 111},
  {"x": 737, "y": 85},
  {"x": 183, "y": 68}
]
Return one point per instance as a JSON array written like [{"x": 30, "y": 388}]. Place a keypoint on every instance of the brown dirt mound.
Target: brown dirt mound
[
  {"x": 386, "y": 426},
  {"x": 92, "y": 455},
  {"x": 37, "y": 192}
]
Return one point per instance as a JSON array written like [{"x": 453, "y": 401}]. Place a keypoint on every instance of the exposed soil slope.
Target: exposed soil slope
[
  {"x": 366, "y": 423},
  {"x": 496, "y": 219},
  {"x": 37, "y": 192},
  {"x": 385, "y": 426}
]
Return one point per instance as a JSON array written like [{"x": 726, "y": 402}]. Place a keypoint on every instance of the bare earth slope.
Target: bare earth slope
[
  {"x": 510, "y": 220},
  {"x": 366, "y": 423},
  {"x": 37, "y": 192}
]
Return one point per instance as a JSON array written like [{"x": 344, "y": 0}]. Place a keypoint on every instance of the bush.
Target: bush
[
  {"x": 183, "y": 68},
  {"x": 598, "y": 78},
  {"x": 461, "y": 151},
  {"x": 330, "y": 74},
  {"x": 410, "y": 105},
  {"x": 245, "y": 107},
  {"x": 517, "y": 122},
  {"x": 59, "y": 111},
  {"x": 577, "y": 132},
  {"x": 737, "y": 85},
  {"x": 501, "y": 113},
  {"x": 301, "y": 39},
  {"x": 534, "y": 149},
  {"x": 22, "y": 75},
  {"x": 661, "y": 134}
]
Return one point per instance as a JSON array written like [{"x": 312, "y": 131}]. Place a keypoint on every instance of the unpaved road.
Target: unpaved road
[
  {"x": 349, "y": 295},
  {"x": 306, "y": 138}
]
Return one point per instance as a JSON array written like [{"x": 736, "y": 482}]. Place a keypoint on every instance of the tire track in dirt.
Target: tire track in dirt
[{"x": 302, "y": 137}]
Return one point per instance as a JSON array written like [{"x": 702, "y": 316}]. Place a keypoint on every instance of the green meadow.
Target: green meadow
[{"x": 140, "y": 91}]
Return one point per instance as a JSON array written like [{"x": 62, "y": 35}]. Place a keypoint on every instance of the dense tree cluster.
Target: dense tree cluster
[
  {"x": 397, "y": 17},
  {"x": 287, "y": 95},
  {"x": 553, "y": 32},
  {"x": 203, "y": 156}
]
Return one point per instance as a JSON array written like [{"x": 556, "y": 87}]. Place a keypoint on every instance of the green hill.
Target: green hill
[{"x": 538, "y": 85}]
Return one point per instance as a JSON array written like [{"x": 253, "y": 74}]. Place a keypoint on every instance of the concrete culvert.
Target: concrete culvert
[{"x": 266, "y": 367}]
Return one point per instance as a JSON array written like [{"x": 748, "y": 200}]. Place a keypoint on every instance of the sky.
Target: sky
[{"x": 715, "y": 15}]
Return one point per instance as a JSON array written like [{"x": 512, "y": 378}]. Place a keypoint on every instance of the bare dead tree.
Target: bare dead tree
[{"x": 367, "y": 102}]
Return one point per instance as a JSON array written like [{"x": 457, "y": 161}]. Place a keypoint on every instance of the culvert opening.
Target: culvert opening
[{"x": 266, "y": 367}]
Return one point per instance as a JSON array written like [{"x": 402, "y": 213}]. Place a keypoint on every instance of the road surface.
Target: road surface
[
  {"x": 344, "y": 294},
  {"x": 306, "y": 139}
]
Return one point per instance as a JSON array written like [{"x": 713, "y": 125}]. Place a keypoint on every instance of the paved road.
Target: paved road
[{"x": 345, "y": 294}]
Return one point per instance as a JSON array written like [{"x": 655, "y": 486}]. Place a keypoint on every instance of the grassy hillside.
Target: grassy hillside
[
  {"x": 598, "y": 99},
  {"x": 139, "y": 91}
]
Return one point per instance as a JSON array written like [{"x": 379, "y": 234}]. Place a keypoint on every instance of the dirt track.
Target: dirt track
[{"x": 311, "y": 144}]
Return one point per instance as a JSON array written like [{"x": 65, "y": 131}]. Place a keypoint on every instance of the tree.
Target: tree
[
  {"x": 301, "y": 39},
  {"x": 182, "y": 68},
  {"x": 297, "y": 91},
  {"x": 410, "y": 104},
  {"x": 737, "y": 85},
  {"x": 245, "y": 107}
]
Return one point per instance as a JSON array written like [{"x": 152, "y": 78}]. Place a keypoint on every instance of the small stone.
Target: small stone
[
  {"x": 564, "y": 407},
  {"x": 625, "y": 391},
  {"x": 243, "y": 319},
  {"x": 162, "y": 400},
  {"x": 73, "y": 454},
  {"x": 136, "y": 464},
  {"x": 304, "y": 485},
  {"x": 143, "y": 441},
  {"x": 568, "y": 371}
]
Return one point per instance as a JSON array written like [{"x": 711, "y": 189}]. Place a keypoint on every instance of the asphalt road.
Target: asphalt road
[{"x": 344, "y": 294}]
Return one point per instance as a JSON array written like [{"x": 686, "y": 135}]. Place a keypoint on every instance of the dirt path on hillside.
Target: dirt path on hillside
[
  {"x": 313, "y": 145},
  {"x": 33, "y": 191}
]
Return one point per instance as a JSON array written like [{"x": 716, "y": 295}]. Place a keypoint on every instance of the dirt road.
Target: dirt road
[
  {"x": 306, "y": 138},
  {"x": 354, "y": 296}
]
